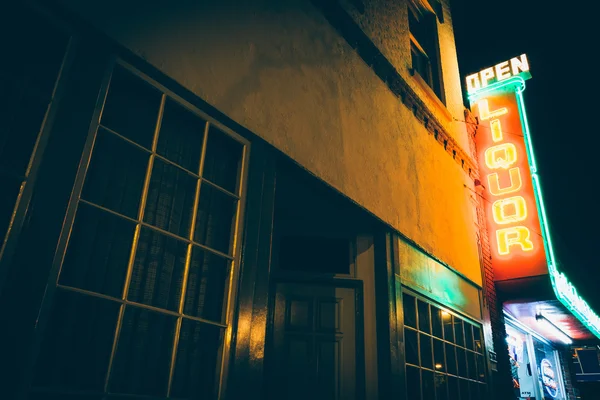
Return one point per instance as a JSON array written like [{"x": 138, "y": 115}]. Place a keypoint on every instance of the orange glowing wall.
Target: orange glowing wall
[{"x": 512, "y": 216}]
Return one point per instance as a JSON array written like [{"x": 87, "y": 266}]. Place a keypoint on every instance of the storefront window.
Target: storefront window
[
  {"x": 520, "y": 363},
  {"x": 444, "y": 353},
  {"x": 548, "y": 371},
  {"x": 534, "y": 365},
  {"x": 140, "y": 309}
]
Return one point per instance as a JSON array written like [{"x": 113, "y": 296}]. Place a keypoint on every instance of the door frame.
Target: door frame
[{"x": 317, "y": 279}]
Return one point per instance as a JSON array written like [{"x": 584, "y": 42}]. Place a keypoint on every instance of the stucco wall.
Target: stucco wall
[
  {"x": 278, "y": 68},
  {"x": 386, "y": 24}
]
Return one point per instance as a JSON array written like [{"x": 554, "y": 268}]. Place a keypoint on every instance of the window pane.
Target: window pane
[
  {"x": 480, "y": 367},
  {"x": 77, "y": 342},
  {"x": 458, "y": 332},
  {"x": 464, "y": 389},
  {"x": 196, "y": 375},
  {"x": 436, "y": 321},
  {"x": 423, "y": 310},
  {"x": 438, "y": 354},
  {"x": 462, "y": 362},
  {"x": 207, "y": 285},
  {"x": 215, "y": 218},
  {"x": 410, "y": 313},
  {"x": 157, "y": 273},
  {"x": 412, "y": 346},
  {"x": 469, "y": 336},
  {"x": 448, "y": 326},
  {"x": 181, "y": 136},
  {"x": 413, "y": 389},
  {"x": 223, "y": 157},
  {"x": 451, "y": 359},
  {"x": 477, "y": 339},
  {"x": 116, "y": 174},
  {"x": 441, "y": 387},
  {"x": 428, "y": 385},
  {"x": 98, "y": 252},
  {"x": 143, "y": 355},
  {"x": 170, "y": 199},
  {"x": 453, "y": 389},
  {"x": 131, "y": 107},
  {"x": 474, "y": 389},
  {"x": 426, "y": 351},
  {"x": 8, "y": 196},
  {"x": 471, "y": 365}
]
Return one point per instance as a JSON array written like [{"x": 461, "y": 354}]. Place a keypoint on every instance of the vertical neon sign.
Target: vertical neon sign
[
  {"x": 512, "y": 217},
  {"x": 517, "y": 223}
]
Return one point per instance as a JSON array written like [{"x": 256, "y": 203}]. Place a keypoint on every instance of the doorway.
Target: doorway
[{"x": 316, "y": 337}]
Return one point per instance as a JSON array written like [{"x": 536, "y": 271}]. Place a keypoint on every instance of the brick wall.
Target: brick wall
[{"x": 566, "y": 361}]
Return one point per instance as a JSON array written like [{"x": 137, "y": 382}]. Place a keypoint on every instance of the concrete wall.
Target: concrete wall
[{"x": 278, "y": 68}]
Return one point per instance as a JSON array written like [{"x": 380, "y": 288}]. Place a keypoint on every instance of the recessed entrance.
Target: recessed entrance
[{"x": 316, "y": 344}]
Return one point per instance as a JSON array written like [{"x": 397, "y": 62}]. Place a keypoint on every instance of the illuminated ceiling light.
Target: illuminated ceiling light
[
  {"x": 438, "y": 366},
  {"x": 556, "y": 331}
]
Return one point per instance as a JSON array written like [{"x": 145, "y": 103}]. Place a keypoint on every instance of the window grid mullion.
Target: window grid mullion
[
  {"x": 418, "y": 323},
  {"x": 445, "y": 342},
  {"x": 154, "y": 228},
  {"x": 188, "y": 261},
  {"x": 134, "y": 244}
]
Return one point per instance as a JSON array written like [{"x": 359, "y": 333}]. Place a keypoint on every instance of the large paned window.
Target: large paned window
[
  {"x": 32, "y": 53},
  {"x": 535, "y": 365},
  {"x": 140, "y": 308},
  {"x": 549, "y": 371},
  {"x": 444, "y": 353}
]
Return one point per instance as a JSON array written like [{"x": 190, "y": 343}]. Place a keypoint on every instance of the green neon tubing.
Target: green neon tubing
[{"x": 575, "y": 304}]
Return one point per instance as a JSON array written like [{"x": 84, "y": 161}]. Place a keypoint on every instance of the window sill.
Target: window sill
[{"x": 430, "y": 94}]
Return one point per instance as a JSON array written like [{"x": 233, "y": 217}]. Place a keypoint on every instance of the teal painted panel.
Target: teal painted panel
[{"x": 433, "y": 279}]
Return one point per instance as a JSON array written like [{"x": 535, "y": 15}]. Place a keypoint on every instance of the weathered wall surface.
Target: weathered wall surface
[
  {"x": 278, "y": 68},
  {"x": 386, "y": 24}
]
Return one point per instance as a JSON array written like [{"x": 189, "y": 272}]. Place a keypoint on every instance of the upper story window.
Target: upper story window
[{"x": 424, "y": 45}]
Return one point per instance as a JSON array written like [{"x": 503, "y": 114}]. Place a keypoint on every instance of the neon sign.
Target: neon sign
[
  {"x": 513, "y": 222},
  {"x": 504, "y": 70},
  {"x": 518, "y": 252}
]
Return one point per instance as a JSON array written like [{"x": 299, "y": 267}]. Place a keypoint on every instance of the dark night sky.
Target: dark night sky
[{"x": 560, "y": 44}]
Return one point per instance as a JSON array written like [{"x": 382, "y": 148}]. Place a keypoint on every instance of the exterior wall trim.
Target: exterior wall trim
[{"x": 384, "y": 69}]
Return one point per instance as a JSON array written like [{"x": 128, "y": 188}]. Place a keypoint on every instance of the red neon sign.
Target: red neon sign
[{"x": 512, "y": 218}]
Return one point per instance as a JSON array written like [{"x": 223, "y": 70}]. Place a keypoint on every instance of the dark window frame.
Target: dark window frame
[
  {"x": 233, "y": 255},
  {"x": 474, "y": 379},
  {"x": 425, "y": 47}
]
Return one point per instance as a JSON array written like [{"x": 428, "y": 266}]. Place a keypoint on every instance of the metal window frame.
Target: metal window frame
[
  {"x": 235, "y": 240},
  {"x": 454, "y": 314}
]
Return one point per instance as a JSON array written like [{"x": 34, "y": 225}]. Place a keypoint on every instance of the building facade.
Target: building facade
[{"x": 217, "y": 199}]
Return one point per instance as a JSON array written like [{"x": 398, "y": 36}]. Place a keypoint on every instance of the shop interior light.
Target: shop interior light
[{"x": 556, "y": 331}]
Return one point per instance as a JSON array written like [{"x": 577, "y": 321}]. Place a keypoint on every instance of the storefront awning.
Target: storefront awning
[{"x": 535, "y": 303}]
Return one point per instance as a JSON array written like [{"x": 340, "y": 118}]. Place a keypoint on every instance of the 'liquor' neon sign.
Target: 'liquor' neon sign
[
  {"x": 517, "y": 221},
  {"x": 513, "y": 223}
]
